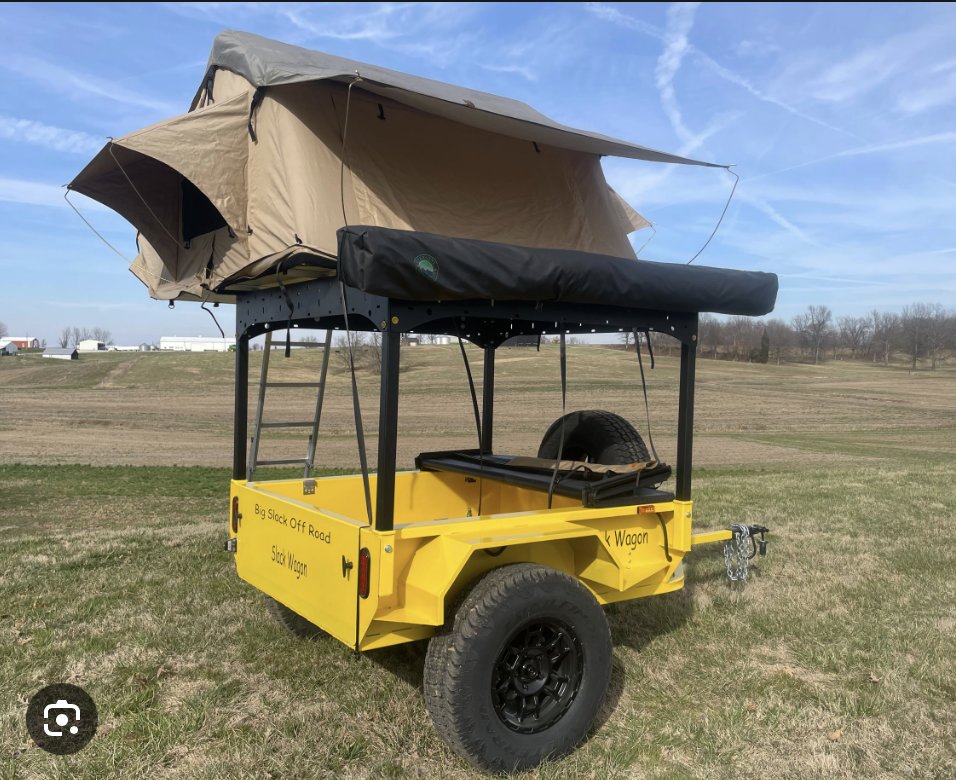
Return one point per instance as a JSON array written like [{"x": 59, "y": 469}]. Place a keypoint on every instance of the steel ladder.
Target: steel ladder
[{"x": 309, "y": 460}]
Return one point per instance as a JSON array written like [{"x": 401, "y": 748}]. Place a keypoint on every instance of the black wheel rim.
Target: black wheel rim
[{"x": 537, "y": 676}]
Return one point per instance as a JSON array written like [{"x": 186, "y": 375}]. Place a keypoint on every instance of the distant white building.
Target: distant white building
[
  {"x": 195, "y": 344},
  {"x": 122, "y": 348},
  {"x": 91, "y": 345},
  {"x": 8, "y": 347},
  {"x": 59, "y": 353}
]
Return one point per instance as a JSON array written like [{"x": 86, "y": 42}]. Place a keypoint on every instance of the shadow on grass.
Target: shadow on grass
[{"x": 406, "y": 661}]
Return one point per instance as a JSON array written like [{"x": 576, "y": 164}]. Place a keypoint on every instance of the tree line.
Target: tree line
[
  {"x": 925, "y": 333},
  {"x": 72, "y": 336}
]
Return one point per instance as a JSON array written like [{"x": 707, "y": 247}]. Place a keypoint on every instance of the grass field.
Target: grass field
[{"x": 838, "y": 659}]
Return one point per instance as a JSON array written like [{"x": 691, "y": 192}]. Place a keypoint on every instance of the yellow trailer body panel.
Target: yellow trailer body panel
[
  {"x": 299, "y": 555},
  {"x": 299, "y": 541}
]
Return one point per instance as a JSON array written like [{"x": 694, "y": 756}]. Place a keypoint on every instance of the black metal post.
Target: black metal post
[
  {"x": 387, "y": 432},
  {"x": 685, "y": 419},
  {"x": 488, "y": 402},
  {"x": 241, "y": 411}
]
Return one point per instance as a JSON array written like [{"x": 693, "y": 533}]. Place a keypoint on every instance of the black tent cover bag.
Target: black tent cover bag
[{"x": 414, "y": 266}]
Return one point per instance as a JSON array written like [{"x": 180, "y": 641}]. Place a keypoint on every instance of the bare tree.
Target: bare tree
[
  {"x": 625, "y": 339},
  {"x": 659, "y": 342},
  {"x": 709, "y": 331},
  {"x": 886, "y": 332},
  {"x": 101, "y": 334},
  {"x": 743, "y": 336},
  {"x": 914, "y": 329},
  {"x": 937, "y": 333},
  {"x": 853, "y": 333},
  {"x": 3, "y": 330},
  {"x": 813, "y": 327},
  {"x": 366, "y": 351},
  {"x": 72, "y": 336},
  {"x": 781, "y": 339},
  {"x": 374, "y": 352}
]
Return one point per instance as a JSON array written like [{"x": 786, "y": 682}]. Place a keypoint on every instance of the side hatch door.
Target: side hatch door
[{"x": 303, "y": 557}]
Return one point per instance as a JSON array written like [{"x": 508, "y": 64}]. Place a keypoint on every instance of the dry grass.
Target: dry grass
[
  {"x": 837, "y": 660},
  {"x": 176, "y": 408}
]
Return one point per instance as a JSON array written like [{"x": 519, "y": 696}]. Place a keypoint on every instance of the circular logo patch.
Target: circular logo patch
[
  {"x": 427, "y": 266},
  {"x": 61, "y": 718}
]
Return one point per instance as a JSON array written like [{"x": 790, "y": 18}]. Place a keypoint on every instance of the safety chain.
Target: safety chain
[{"x": 737, "y": 553}]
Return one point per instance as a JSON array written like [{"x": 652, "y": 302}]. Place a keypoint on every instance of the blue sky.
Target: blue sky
[{"x": 841, "y": 120}]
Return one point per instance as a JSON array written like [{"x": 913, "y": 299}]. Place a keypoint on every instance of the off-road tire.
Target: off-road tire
[
  {"x": 466, "y": 659},
  {"x": 595, "y": 436},
  {"x": 291, "y": 621}
]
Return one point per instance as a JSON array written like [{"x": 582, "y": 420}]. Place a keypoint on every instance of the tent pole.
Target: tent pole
[
  {"x": 387, "y": 432},
  {"x": 685, "y": 416},
  {"x": 488, "y": 401},
  {"x": 241, "y": 408}
]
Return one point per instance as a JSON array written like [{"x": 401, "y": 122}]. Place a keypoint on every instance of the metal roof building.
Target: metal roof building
[{"x": 195, "y": 344}]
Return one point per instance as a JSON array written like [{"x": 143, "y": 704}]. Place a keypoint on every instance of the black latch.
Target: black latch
[{"x": 346, "y": 566}]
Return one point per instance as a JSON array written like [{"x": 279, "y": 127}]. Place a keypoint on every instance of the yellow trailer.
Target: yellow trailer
[
  {"x": 502, "y": 562},
  {"x": 480, "y": 219}
]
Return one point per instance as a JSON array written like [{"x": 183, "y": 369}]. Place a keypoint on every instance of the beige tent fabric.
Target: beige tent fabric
[
  {"x": 193, "y": 280},
  {"x": 227, "y": 85},
  {"x": 284, "y": 192},
  {"x": 209, "y": 147},
  {"x": 140, "y": 176},
  {"x": 631, "y": 219},
  {"x": 295, "y": 171},
  {"x": 414, "y": 171}
]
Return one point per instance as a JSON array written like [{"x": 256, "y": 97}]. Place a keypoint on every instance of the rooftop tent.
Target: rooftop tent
[{"x": 254, "y": 179}]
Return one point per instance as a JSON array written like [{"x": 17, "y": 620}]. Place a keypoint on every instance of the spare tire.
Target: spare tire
[{"x": 594, "y": 436}]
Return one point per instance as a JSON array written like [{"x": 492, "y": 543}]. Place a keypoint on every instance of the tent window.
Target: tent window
[{"x": 199, "y": 215}]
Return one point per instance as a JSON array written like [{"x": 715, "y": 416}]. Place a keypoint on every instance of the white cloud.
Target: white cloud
[
  {"x": 519, "y": 70},
  {"x": 79, "y": 86},
  {"x": 680, "y": 19},
  {"x": 35, "y": 193},
  {"x": 902, "y": 71},
  {"x": 613, "y": 15},
  {"x": 778, "y": 219},
  {"x": 56, "y": 138},
  {"x": 31, "y": 193},
  {"x": 610, "y": 14},
  {"x": 427, "y": 30},
  {"x": 755, "y": 48},
  {"x": 858, "y": 74},
  {"x": 938, "y": 91},
  {"x": 859, "y": 151}
]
